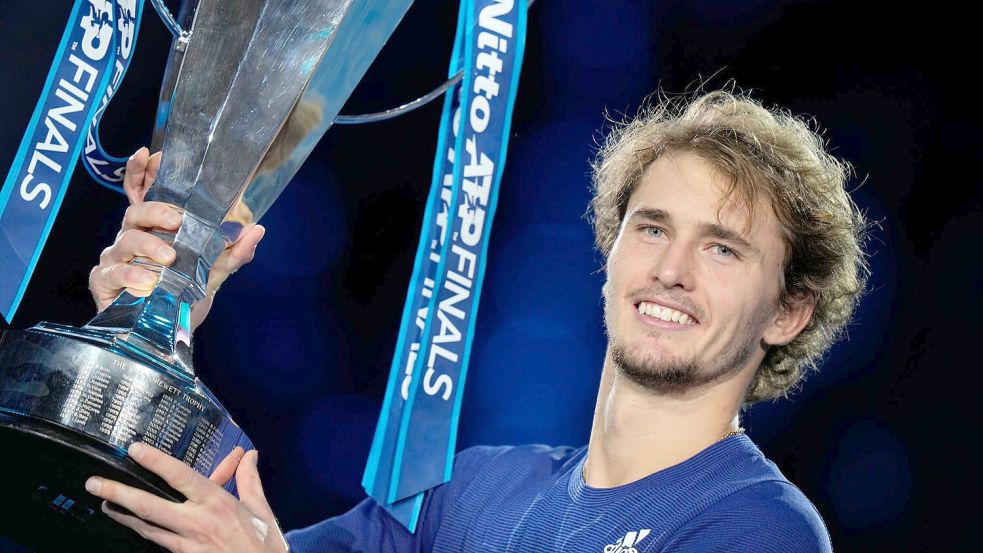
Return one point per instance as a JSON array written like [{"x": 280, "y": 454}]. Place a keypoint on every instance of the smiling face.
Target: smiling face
[{"x": 692, "y": 286}]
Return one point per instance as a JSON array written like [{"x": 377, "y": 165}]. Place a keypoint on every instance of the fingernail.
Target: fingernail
[
  {"x": 256, "y": 457},
  {"x": 148, "y": 278},
  {"x": 136, "y": 449},
  {"x": 93, "y": 485},
  {"x": 165, "y": 253},
  {"x": 173, "y": 219},
  {"x": 262, "y": 232}
]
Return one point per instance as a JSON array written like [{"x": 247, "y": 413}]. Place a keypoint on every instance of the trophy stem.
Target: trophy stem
[{"x": 160, "y": 324}]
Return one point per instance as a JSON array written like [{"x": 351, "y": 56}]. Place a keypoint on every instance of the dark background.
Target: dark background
[{"x": 298, "y": 346}]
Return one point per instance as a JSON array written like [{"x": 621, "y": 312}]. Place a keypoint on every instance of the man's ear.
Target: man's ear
[{"x": 790, "y": 320}]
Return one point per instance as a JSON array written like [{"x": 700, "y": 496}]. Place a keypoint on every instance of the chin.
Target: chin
[{"x": 656, "y": 371}]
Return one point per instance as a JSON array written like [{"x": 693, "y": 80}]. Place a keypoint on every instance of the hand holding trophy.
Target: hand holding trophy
[{"x": 115, "y": 273}]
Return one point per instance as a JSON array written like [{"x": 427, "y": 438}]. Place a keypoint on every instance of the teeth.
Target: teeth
[{"x": 664, "y": 313}]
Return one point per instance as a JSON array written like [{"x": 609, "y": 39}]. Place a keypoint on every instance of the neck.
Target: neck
[{"x": 637, "y": 432}]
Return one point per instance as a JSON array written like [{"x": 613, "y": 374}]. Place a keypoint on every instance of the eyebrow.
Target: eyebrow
[{"x": 715, "y": 230}]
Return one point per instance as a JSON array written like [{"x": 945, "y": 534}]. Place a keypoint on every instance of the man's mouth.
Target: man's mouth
[{"x": 665, "y": 313}]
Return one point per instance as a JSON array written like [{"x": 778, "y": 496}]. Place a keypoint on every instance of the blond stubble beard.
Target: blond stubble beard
[{"x": 673, "y": 376}]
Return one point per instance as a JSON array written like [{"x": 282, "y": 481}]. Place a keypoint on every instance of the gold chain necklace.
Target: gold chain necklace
[{"x": 737, "y": 432}]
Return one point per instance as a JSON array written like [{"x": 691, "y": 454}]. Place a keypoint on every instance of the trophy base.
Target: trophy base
[
  {"x": 44, "y": 467},
  {"x": 71, "y": 402}
]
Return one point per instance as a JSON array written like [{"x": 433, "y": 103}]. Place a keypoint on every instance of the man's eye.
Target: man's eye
[
  {"x": 722, "y": 250},
  {"x": 654, "y": 232}
]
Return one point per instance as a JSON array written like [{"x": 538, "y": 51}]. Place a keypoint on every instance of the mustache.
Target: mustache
[{"x": 655, "y": 293}]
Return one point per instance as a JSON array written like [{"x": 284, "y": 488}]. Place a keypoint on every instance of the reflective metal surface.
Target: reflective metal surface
[
  {"x": 360, "y": 37},
  {"x": 265, "y": 79},
  {"x": 113, "y": 393}
]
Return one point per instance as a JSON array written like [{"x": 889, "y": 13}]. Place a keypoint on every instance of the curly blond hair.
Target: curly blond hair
[{"x": 757, "y": 151}]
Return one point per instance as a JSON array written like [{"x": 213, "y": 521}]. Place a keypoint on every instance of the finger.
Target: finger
[
  {"x": 106, "y": 282},
  {"x": 232, "y": 259},
  {"x": 148, "y": 215},
  {"x": 152, "y": 532},
  {"x": 179, "y": 476},
  {"x": 251, "y": 488},
  {"x": 137, "y": 243},
  {"x": 136, "y": 170},
  {"x": 153, "y": 165},
  {"x": 227, "y": 468},
  {"x": 144, "y": 505},
  {"x": 121, "y": 276}
]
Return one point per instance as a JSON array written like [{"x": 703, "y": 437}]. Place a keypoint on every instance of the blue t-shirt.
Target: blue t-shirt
[{"x": 728, "y": 497}]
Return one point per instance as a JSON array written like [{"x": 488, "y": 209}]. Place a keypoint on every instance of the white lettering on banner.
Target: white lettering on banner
[
  {"x": 448, "y": 331},
  {"x": 98, "y": 29},
  {"x": 464, "y": 256},
  {"x": 28, "y": 195},
  {"x": 71, "y": 106},
  {"x": 83, "y": 66},
  {"x": 404, "y": 390},
  {"x": 477, "y": 179},
  {"x": 480, "y": 112},
  {"x": 431, "y": 387},
  {"x": 489, "y": 40},
  {"x": 476, "y": 185},
  {"x": 486, "y": 84},
  {"x": 97, "y": 35},
  {"x": 126, "y": 25},
  {"x": 448, "y": 305},
  {"x": 53, "y": 140},
  {"x": 477, "y": 188},
  {"x": 487, "y": 17},
  {"x": 79, "y": 93},
  {"x": 460, "y": 279}
]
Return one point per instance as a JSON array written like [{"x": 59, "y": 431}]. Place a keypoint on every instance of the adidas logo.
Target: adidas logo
[{"x": 627, "y": 544}]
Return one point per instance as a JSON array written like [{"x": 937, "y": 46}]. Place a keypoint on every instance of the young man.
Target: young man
[{"x": 734, "y": 260}]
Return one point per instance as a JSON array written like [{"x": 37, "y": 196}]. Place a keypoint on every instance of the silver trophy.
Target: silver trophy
[{"x": 249, "y": 89}]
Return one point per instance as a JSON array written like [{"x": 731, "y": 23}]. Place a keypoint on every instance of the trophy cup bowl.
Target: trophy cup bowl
[{"x": 247, "y": 93}]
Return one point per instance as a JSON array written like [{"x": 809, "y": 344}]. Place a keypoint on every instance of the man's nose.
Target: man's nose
[{"x": 674, "y": 266}]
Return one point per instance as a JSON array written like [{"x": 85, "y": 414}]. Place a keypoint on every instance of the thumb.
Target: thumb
[
  {"x": 251, "y": 488},
  {"x": 136, "y": 171}
]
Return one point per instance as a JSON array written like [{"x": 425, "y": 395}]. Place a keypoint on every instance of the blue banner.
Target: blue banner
[
  {"x": 79, "y": 82},
  {"x": 416, "y": 436},
  {"x": 106, "y": 169}
]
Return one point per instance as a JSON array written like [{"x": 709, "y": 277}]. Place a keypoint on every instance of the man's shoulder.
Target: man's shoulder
[
  {"x": 773, "y": 514},
  {"x": 773, "y": 500}
]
